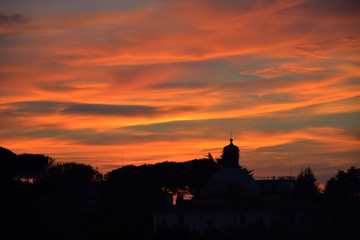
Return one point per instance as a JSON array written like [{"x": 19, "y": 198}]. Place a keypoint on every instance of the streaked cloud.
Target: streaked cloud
[
  {"x": 70, "y": 108},
  {"x": 91, "y": 81},
  {"x": 10, "y": 20}
]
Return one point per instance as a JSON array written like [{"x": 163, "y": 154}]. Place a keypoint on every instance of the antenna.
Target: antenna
[
  {"x": 231, "y": 134},
  {"x": 122, "y": 158},
  {"x": 290, "y": 164}
]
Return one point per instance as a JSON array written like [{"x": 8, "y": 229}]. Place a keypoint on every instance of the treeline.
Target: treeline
[
  {"x": 50, "y": 200},
  {"x": 343, "y": 186},
  {"x": 43, "y": 199}
]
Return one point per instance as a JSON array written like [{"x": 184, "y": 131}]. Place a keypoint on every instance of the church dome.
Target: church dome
[{"x": 225, "y": 178}]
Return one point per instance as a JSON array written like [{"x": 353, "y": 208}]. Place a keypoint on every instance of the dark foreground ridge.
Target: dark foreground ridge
[{"x": 43, "y": 199}]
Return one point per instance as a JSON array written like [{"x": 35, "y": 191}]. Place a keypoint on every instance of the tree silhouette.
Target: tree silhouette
[
  {"x": 8, "y": 163},
  {"x": 67, "y": 179},
  {"x": 131, "y": 193},
  {"x": 344, "y": 185},
  {"x": 190, "y": 177},
  {"x": 31, "y": 166},
  {"x": 26, "y": 167},
  {"x": 306, "y": 185},
  {"x": 61, "y": 194},
  {"x": 210, "y": 157}
]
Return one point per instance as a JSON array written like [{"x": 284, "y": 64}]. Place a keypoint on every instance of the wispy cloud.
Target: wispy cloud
[
  {"x": 13, "y": 19},
  {"x": 85, "y": 82},
  {"x": 70, "y": 108}
]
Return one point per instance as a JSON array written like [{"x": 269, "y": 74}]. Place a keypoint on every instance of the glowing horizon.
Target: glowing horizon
[{"x": 154, "y": 81}]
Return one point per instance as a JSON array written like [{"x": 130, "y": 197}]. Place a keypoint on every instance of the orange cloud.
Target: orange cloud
[
  {"x": 281, "y": 71},
  {"x": 175, "y": 77}
]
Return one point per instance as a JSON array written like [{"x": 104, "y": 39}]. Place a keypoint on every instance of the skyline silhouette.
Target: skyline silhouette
[{"x": 74, "y": 201}]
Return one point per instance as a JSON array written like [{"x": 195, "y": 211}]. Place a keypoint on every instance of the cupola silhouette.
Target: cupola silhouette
[
  {"x": 231, "y": 178},
  {"x": 230, "y": 156}
]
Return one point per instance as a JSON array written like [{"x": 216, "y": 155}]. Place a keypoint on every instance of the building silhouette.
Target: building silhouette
[{"x": 233, "y": 202}]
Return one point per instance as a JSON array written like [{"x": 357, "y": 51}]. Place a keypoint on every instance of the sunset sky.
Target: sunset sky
[{"x": 112, "y": 82}]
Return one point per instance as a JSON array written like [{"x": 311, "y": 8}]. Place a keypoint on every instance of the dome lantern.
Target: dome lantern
[{"x": 230, "y": 156}]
